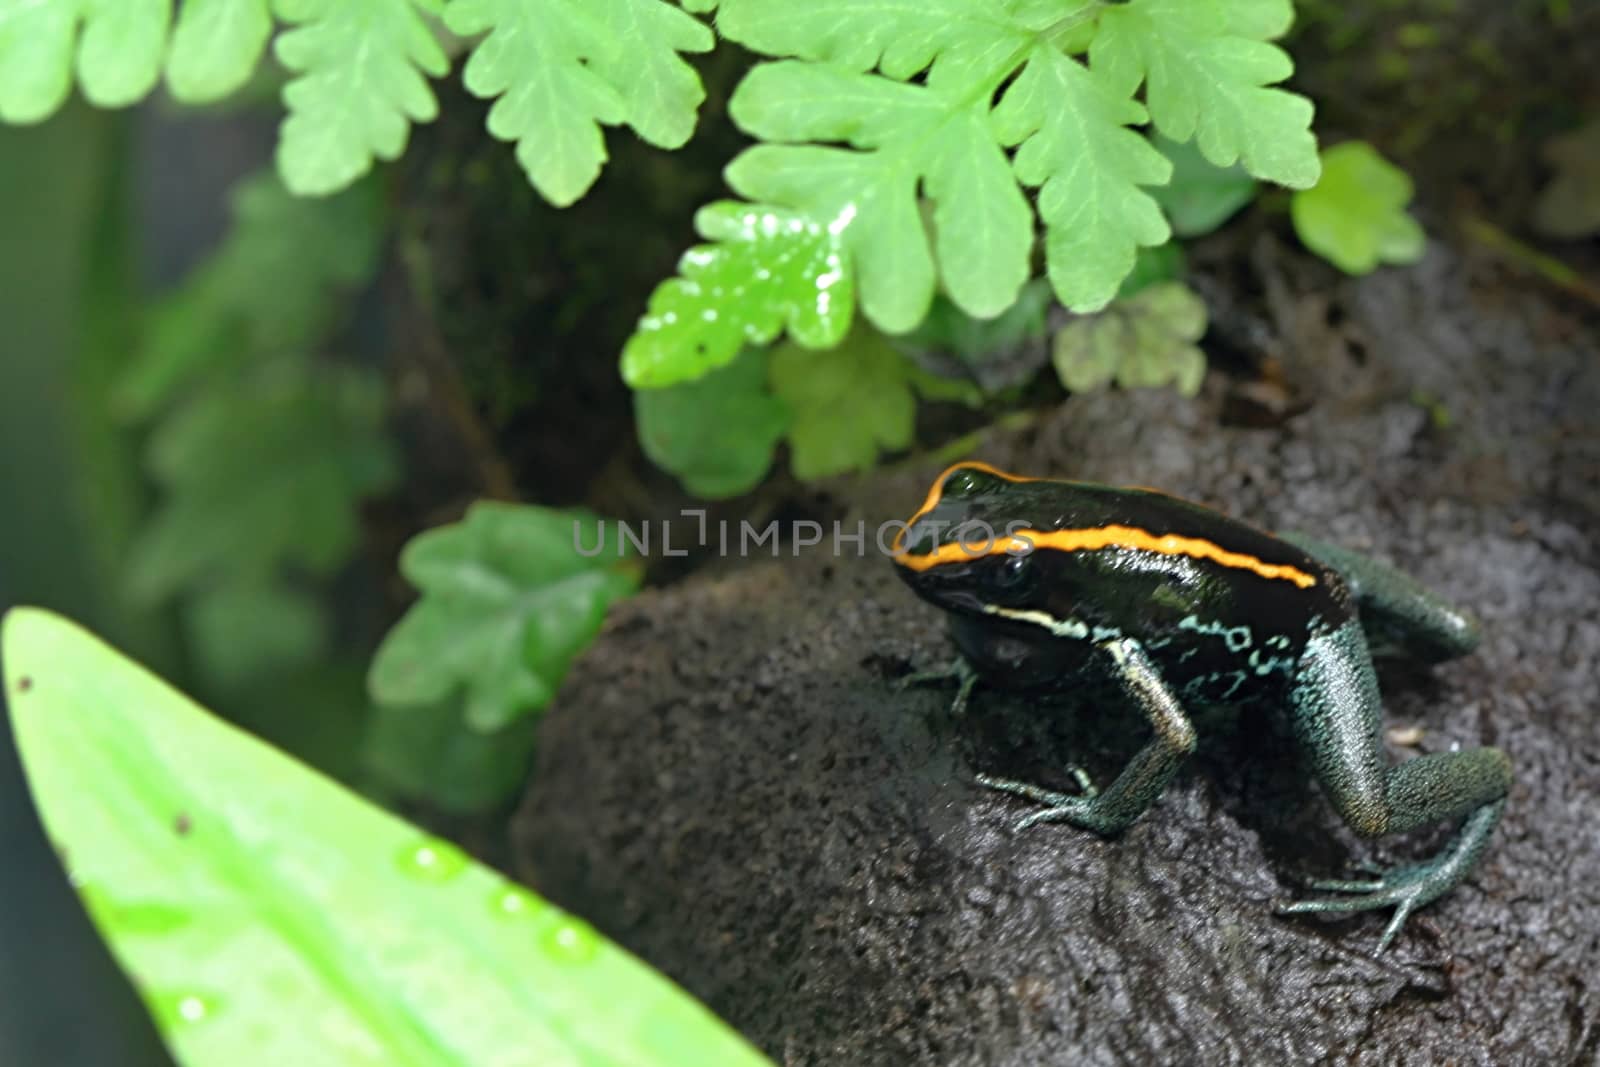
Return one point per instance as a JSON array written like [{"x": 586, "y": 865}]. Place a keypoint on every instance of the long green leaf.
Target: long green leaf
[{"x": 270, "y": 918}]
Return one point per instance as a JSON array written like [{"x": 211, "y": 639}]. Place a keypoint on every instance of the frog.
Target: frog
[{"x": 1139, "y": 599}]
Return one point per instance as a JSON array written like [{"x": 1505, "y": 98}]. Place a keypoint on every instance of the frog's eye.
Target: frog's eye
[
  {"x": 962, "y": 482},
  {"x": 1014, "y": 570}
]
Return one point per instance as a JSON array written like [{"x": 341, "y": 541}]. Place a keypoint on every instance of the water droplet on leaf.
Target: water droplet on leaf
[
  {"x": 187, "y": 1008},
  {"x": 432, "y": 860},
  {"x": 571, "y": 940}
]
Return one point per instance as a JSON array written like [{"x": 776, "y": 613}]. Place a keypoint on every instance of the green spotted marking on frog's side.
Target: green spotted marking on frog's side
[{"x": 1059, "y": 585}]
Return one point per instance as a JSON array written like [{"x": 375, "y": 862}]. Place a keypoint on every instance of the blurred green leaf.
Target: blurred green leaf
[
  {"x": 1355, "y": 216},
  {"x": 949, "y": 328},
  {"x": 1144, "y": 341},
  {"x": 362, "y": 71},
  {"x": 717, "y": 434},
  {"x": 117, "y": 57},
  {"x": 269, "y": 289},
  {"x": 1162, "y": 263},
  {"x": 768, "y": 271},
  {"x": 428, "y": 753},
  {"x": 1569, "y": 206},
  {"x": 268, "y": 917},
  {"x": 1201, "y": 196},
  {"x": 263, "y": 469},
  {"x": 509, "y": 599},
  {"x": 250, "y": 626},
  {"x": 957, "y": 358},
  {"x": 847, "y": 403}
]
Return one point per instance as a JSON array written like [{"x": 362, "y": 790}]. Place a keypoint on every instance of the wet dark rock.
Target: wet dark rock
[{"x": 732, "y": 786}]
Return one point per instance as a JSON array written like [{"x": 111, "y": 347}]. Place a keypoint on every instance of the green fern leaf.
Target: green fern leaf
[
  {"x": 1071, "y": 128},
  {"x": 887, "y": 107},
  {"x": 767, "y": 270},
  {"x": 900, "y": 38},
  {"x": 559, "y": 69},
  {"x": 935, "y": 137},
  {"x": 1208, "y": 67},
  {"x": 118, "y": 54},
  {"x": 215, "y": 47},
  {"x": 1144, "y": 341},
  {"x": 847, "y": 403},
  {"x": 361, "y": 67}
]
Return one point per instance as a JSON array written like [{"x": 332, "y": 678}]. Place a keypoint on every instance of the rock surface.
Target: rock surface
[{"x": 732, "y": 786}]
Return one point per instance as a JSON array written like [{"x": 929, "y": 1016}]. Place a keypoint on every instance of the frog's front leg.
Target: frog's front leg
[
  {"x": 1337, "y": 718},
  {"x": 957, "y": 670},
  {"x": 1145, "y": 776}
]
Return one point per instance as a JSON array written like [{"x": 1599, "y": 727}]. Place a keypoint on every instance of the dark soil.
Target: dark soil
[{"x": 732, "y": 786}]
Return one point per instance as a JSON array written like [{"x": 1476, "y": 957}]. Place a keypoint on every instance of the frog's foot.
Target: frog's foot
[
  {"x": 958, "y": 670},
  {"x": 1076, "y": 808},
  {"x": 1410, "y": 887},
  {"x": 1405, "y": 889}
]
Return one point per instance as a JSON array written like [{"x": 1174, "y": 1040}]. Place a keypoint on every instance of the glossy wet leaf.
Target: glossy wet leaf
[
  {"x": 908, "y": 140},
  {"x": 766, "y": 271},
  {"x": 1355, "y": 217},
  {"x": 252, "y": 626},
  {"x": 271, "y": 288},
  {"x": 1208, "y": 72},
  {"x": 558, "y": 70},
  {"x": 1201, "y": 196},
  {"x": 509, "y": 598},
  {"x": 269, "y": 917},
  {"x": 1140, "y": 342},
  {"x": 847, "y": 404},
  {"x": 215, "y": 47},
  {"x": 1569, "y": 205},
  {"x": 717, "y": 433},
  {"x": 361, "y": 79},
  {"x": 115, "y": 48},
  {"x": 263, "y": 469}
]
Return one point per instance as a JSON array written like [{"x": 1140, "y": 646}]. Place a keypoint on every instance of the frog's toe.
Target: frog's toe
[
  {"x": 1057, "y": 807},
  {"x": 1075, "y": 811},
  {"x": 1405, "y": 890},
  {"x": 1343, "y": 885},
  {"x": 1048, "y": 797}
]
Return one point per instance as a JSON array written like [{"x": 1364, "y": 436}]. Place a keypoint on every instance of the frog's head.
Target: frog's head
[{"x": 967, "y": 549}]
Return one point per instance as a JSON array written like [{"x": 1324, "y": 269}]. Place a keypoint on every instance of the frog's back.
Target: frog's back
[{"x": 1224, "y": 607}]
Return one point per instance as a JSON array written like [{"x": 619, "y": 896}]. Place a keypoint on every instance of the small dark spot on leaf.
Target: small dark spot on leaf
[
  {"x": 183, "y": 824},
  {"x": 24, "y": 684}
]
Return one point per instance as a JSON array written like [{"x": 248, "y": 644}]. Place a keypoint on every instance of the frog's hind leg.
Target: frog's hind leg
[
  {"x": 1337, "y": 716},
  {"x": 1395, "y": 608}
]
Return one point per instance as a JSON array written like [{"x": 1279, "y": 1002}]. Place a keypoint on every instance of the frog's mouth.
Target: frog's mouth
[{"x": 949, "y": 586}]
